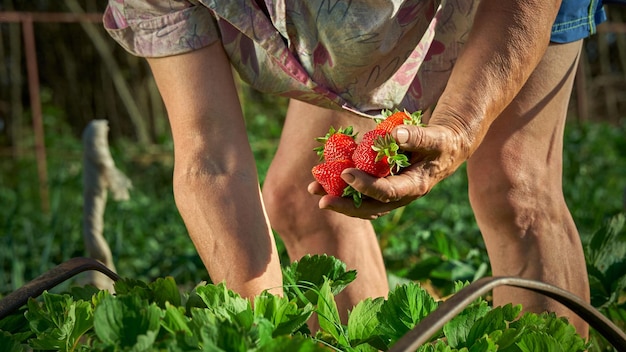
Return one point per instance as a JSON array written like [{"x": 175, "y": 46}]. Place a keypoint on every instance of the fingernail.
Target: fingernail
[
  {"x": 348, "y": 177},
  {"x": 402, "y": 135}
]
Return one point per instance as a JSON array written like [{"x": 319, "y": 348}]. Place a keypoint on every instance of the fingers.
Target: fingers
[
  {"x": 386, "y": 189},
  {"x": 316, "y": 189},
  {"x": 369, "y": 209},
  {"x": 380, "y": 195},
  {"x": 420, "y": 138}
]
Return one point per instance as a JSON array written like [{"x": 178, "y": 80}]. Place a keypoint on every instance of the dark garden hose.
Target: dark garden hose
[
  {"x": 455, "y": 304},
  {"x": 50, "y": 279}
]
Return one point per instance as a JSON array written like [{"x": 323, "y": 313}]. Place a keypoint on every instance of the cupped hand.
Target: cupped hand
[{"x": 436, "y": 152}]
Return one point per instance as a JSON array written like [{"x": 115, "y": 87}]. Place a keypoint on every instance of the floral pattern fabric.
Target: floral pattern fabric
[{"x": 361, "y": 56}]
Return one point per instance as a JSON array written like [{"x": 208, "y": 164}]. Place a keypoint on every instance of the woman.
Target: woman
[{"x": 496, "y": 77}]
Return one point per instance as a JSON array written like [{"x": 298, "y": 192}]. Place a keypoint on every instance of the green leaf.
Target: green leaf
[
  {"x": 608, "y": 244},
  {"x": 600, "y": 294},
  {"x": 226, "y": 304},
  {"x": 539, "y": 341},
  {"x": 215, "y": 334},
  {"x": 262, "y": 331},
  {"x": 454, "y": 270},
  {"x": 128, "y": 286},
  {"x": 457, "y": 329},
  {"x": 175, "y": 320},
  {"x": 508, "y": 338},
  {"x": 99, "y": 297},
  {"x": 564, "y": 333},
  {"x": 557, "y": 328},
  {"x": 10, "y": 342},
  {"x": 484, "y": 344},
  {"x": 84, "y": 293},
  {"x": 351, "y": 192},
  {"x": 606, "y": 261},
  {"x": 423, "y": 268},
  {"x": 193, "y": 300},
  {"x": 363, "y": 324},
  {"x": 293, "y": 343},
  {"x": 145, "y": 341},
  {"x": 496, "y": 319},
  {"x": 59, "y": 322},
  {"x": 404, "y": 308},
  {"x": 204, "y": 325},
  {"x": 122, "y": 321},
  {"x": 164, "y": 290},
  {"x": 305, "y": 276},
  {"x": 328, "y": 316},
  {"x": 284, "y": 314},
  {"x": 15, "y": 323},
  {"x": 438, "y": 346},
  {"x": 83, "y": 322},
  {"x": 37, "y": 317}
]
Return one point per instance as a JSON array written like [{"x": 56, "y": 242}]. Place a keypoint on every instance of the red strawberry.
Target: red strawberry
[
  {"x": 328, "y": 174},
  {"x": 377, "y": 154},
  {"x": 338, "y": 145},
  {"x": 397, "y": 118}
]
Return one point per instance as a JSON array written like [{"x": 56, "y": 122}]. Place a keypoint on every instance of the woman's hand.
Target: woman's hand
[{"x": 436, "y": 152}]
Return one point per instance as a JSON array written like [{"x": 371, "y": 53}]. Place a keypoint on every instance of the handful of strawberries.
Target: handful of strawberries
[{"x": 377, "y": 154}]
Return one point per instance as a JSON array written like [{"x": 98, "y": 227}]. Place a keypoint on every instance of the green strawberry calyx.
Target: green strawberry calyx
[
  {"x": 356, "y": 196},
  {"x": 415, "y": 117},
  {"x": 386, "y": 147}
]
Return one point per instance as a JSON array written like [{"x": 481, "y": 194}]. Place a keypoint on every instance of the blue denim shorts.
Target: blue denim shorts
[{"x": 577, "y": 19}]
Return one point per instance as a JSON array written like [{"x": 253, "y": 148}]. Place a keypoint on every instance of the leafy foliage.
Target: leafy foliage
[
  {"x": 310, "y": 272},
  {"x": 156, "y": 316},
  {"x": 606, "y": 264}
]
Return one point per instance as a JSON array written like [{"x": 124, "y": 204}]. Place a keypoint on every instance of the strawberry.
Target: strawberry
[
  {"x": 377, "y": 154},
  {"x": 328, "y": 174},
  {"x": 337, "y": 144},
  {"x": 397, "y": 118}
]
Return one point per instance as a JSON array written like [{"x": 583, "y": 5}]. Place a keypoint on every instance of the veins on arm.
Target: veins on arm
[{"x": 507, "y": 41}]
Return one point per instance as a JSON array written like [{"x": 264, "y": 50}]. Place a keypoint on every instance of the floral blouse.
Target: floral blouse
[{"x": 361, "y": 56}]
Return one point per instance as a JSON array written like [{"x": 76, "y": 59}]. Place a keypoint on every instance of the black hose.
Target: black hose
[{"x": 50, "y": 279}]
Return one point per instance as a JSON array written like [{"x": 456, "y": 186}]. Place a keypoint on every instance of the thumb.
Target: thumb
[{"x": 417, "y": 138}]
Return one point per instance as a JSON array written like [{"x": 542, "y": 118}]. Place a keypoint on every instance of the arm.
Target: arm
[
  {"x": 507, "y": 41},
  {"x": 215, "y": 180}
]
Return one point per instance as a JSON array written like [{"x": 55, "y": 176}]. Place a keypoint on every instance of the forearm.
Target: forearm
[
  {"x": 507, "y": 41},
  {"x": 215, "y": 180},
  {"x": 224, "y": 217}
]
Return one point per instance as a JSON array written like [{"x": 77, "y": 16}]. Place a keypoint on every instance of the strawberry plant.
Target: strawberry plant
[
  {"x": 158, "y": 316},
  {"x": 605, "y": 255}
]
